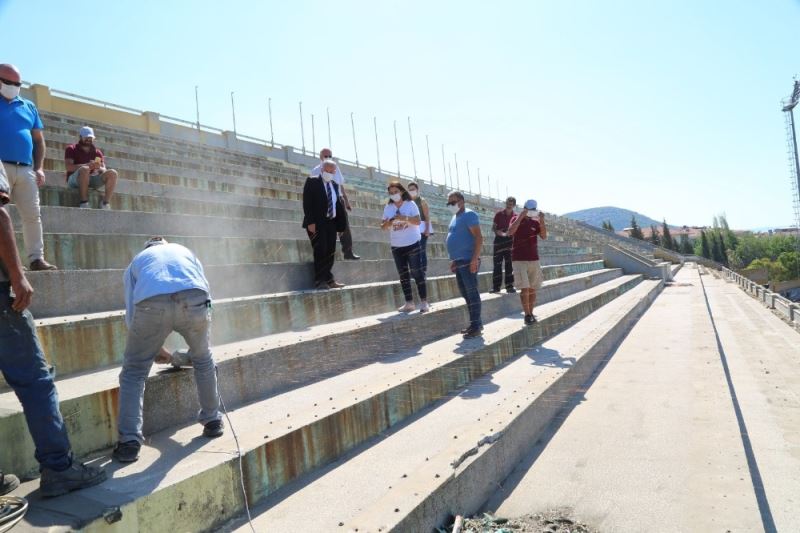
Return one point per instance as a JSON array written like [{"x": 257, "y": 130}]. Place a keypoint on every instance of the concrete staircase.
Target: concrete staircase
[{"x": 311, "y": 379}]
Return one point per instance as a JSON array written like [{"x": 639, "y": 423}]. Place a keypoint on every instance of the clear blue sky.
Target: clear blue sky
[{"x": 668, "y": 108}]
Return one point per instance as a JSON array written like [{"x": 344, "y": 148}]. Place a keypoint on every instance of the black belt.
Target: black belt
[{"x": 17, "y": 163}]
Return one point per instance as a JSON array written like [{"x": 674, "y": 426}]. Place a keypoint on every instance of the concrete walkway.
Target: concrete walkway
[{"x": 676, "y": 434}]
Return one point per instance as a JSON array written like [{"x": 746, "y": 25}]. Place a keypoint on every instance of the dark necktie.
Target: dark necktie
[{"x": 330, "y": 199}]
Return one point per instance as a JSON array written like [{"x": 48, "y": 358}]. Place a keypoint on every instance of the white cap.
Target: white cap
[
  {"x": 87, "y": 132},
  {"x": 153, "y": 241},
  {"x": 530, "y": 205}
]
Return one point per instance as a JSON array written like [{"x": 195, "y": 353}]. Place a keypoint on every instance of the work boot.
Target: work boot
[
  {"x": 41, "y": 264},
  {"x": 8, "y": 482},
  {"x": 213, "y": 429},
  {"x": 127, "y": 452},
  {"x": 78, "y": 476}
]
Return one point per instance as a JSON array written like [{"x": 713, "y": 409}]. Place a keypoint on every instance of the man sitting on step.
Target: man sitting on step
[
  {"x": 26, "y": 371},
  {"x": 86, "y": 168},
  {"x": 526, "y": 228},
  {"x": 165, "y": 290}
]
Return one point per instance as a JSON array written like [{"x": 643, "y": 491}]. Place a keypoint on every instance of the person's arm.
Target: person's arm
[
  {"x": 38, "y": 155},
  {"x": 308, "y": 210},
  {"x": 542, "y": 226},
  {"x": 23, "y": 292},
  {"x": 495, "y": 230},
  {"x": 478, "y": 247},
  {"x": 426, "y": 212},
  {"x": 130, "y": 284},
  {"x": 414, "y": 220},
  {"x": 100, "y": 167},
  {"x": 512, "y": 229},
  {"x": 388, "y": 217}
]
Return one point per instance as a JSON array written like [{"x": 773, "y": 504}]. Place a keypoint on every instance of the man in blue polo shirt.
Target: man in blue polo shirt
[
  {"x": 22, "y": 152},
  {"x": 464, "y": 244}
]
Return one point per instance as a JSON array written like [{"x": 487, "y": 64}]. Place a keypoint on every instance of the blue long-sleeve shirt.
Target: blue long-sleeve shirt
[{"x": 161, "y": 269}]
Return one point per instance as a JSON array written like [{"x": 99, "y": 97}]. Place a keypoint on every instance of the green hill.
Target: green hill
[{"x": 620, "y": 218}]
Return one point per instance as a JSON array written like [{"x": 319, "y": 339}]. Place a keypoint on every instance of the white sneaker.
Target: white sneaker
[
  {"x": 105, "y": 206},
  {"x": 406, "y": 308},
  {"x": 83, "y": 205},
  {"x": 424, "y": 307}
]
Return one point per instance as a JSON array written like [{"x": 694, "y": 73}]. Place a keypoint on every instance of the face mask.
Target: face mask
[
  {"x": 9, "y": 91},
  {"x": 395, "y": 197},
  {"x": 453, "y": 209},
  {"x": 413, "y": 194},
  {"x": 327, "y": 176},
  {"x": 533, "y": 213}
]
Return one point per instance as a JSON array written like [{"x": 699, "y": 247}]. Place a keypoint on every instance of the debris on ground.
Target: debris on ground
[{"x": 554, "y": 521}]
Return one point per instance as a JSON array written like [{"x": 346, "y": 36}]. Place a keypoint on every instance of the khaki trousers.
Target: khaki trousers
[{"x": 25, "y": 194}]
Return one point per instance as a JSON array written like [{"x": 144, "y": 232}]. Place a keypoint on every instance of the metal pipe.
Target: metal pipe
[
  {"x": 302, "y": 130},
  {"x": 377, "y": 145},
  {"x": 353, "y": 127},
  {"x": 328, "y": 113},
  {"x": 430, "y": 169},
  {"x": 444, "y": 169},
  {"x": 411, "y": 140},
  {"x": 233, "y": 112},
  {"x": 197, "y": 107},
  {"x": 271, "y": 133},
  {"x": 396, "y": 149},
  {"x": 458, "y": 178},
  {"x": 313, "y": 136}
]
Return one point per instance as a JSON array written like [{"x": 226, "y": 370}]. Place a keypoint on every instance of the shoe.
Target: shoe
[
  {"x": 494, "y": 291},
  {"x": 105, "y": 206},
  {"x": 352, "y": 257},
  {"x": 473, "y": 332},
  {"x": 424, "y": 307},
  {"x": 213, "y": 429},
  {"x": 335, "y": 285},
  {"x": 407, "y": 308},
  {"x": 83, "y": 205},
  {"x": 41, "y": 264},
  {"x": 78, "y": 476},
  {"x": 321, "y": 286},
  {"x": 127, "y": 452},
  {"x": 530, "y": 320},
  {"x": 510, "y": 290},
  {"x": 8, "y": 482}
]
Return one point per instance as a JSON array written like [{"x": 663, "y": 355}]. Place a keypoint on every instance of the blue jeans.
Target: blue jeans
[
  {"x": 154, "y": 319},
  {"x": 468, "y": 287},
  {"x": 407, "y": 261},
  {"x": 26, "y": 371},
  {"x": 423, "y": 253}
]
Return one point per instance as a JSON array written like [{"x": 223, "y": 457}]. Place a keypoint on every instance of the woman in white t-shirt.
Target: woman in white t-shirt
[{"x": 401, "y": 218}]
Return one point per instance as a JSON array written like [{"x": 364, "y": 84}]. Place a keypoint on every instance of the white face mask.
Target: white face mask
[
  {"x": 9, "y": 91},
  {"x": 533, "y": 213},
  {"x": 327, "y": 176},
  {"x": 396, "y": 197},
  {"x": 413, "y": 193},
  {"x": 454, "y": 209}
]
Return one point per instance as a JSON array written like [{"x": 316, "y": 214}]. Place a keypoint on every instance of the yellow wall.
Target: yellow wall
[{"x": 46, "y": 101}]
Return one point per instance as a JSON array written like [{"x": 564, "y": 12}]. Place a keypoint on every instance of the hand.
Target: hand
[
  {"x": 541, "y": 217},
  {"x": 473, "y": 265},
  {"x": 523, "y": 213},
  {"x": 312, "y": 228},
  {"x": 347, "y": 204},
  {"x": 453, "y": 266},
  {"x": 163, "y": 357},
  {"x": 426, "y": 233},
  {"x": 23, "y": 293},
  {"x": 40, "y": 177}
]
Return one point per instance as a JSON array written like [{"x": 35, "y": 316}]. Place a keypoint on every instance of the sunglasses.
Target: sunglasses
[{"x": 9, "y": 82}]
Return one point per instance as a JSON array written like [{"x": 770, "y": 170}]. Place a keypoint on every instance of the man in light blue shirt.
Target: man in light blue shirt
[
  {"x": 165, "y": 290},
  {"x": 464, "y": 245}
]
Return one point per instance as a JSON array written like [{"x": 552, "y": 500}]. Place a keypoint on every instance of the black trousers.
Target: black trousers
[
  {"x": 502, "y": 254},
  {"x": 324, "y": 244},
  {"x": 345, "y": 237}
]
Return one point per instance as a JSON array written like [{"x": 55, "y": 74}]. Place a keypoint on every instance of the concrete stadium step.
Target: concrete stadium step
[
  {"x": 79, "y": 251},
  {"x": 257, "y": 367},
  {"x": 185, "y": 483},
  {"x": 80, "y": 343},
  {"x": 72, "y": 292},
  {"x": 447, "y": 459}
]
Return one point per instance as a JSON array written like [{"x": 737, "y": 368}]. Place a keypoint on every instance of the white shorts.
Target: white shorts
[{"x": 527, "y": 274}]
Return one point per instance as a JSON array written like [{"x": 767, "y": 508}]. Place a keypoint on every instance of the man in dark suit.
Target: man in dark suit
[{"x": 323, "y": 217}]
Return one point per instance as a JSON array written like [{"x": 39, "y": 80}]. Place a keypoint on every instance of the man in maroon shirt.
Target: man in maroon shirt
[
  {"x": 86, "y": 169},
  {"x": 526, "y": 228},
  {"x": 502, "y": 247}
]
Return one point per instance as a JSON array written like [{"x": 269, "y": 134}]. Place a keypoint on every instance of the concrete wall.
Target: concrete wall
[{"x": 784, "y": 308}]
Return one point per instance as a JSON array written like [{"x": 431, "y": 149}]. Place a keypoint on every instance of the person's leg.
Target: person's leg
[
  {"x": 26, "y": 371},
  {"x": 471, "y": 294},
  {"x": 523, "y": 284},
  {"x": 423, "y": 253},
  {"x": 346, "y": 238},
  {"x": 527, "y": 301},
  {"x": 25, "y": 194},
  {"x": 509, "y": 270},
  {"x": 152, "y": 321},
  {"x": 497, "y": 264},
  {"x": 401, "y": 261},
  {"x": 109, "y": 178},
  {"x": 537, "y": 279},
  {"x": 192, "y": 321},
  {"x": 329, "y": 250},
  {"x": 316, "y": 246},
  {"x": 415, "y": 265}
]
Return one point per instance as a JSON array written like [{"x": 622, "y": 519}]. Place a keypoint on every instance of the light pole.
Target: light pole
[{"x": 233, "y": 113}]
